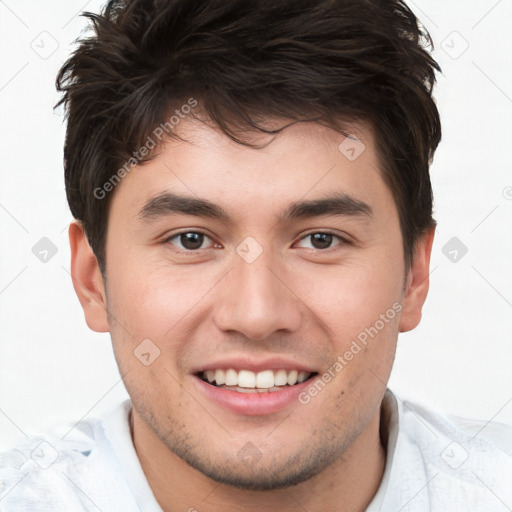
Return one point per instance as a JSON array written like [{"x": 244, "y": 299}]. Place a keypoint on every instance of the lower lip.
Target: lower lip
[{"x": 253, "y": 404}]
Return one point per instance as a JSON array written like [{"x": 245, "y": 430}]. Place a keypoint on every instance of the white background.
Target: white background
[{"x": 53, "y": 369}]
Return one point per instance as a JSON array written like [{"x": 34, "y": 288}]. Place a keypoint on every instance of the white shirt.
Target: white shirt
[{"x": 435, "y": 463}]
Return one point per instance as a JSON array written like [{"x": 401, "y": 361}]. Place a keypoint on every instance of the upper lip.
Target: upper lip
[{"x": 245, "y": 363}]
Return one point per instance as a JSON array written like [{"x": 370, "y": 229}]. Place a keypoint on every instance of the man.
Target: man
[{"x": 253, "y": 227}]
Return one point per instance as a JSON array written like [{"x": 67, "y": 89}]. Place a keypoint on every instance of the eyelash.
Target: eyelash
[{"x": 342, "y": 240}]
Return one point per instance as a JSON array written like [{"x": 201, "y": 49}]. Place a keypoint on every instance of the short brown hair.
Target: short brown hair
[{"x": 245, "y": 61}]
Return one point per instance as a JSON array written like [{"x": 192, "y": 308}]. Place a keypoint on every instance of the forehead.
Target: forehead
[{"x": 305, "y": 161}]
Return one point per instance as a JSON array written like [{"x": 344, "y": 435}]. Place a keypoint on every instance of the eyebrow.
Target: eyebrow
[{"x": 168, "y": 203}]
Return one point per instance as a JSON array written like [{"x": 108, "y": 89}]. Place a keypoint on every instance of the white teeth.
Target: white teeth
[
  {"x": 231, "y": 377},
  {"x": 280, "y": 378},
  {"x": 246, "y": 379},
  {"x": 246, "y": 390},
  {"x": 265, "y": 380},
  {"x": 302, "y": 376},
  {"x": 292, "y": 377},
  {"x": 219, "y": 377}
]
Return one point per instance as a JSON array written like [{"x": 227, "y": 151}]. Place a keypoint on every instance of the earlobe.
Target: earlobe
[
  {"x": 416, "y": 288},
  {"x": 87, "y": 279}
]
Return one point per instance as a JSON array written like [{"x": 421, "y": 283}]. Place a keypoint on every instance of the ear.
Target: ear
[
  {"x": 416, "y": 287},
  {"x": 87, "y": 279}
]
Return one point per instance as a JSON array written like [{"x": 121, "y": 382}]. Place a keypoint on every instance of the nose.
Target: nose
[{"x": 257, "y": 300}]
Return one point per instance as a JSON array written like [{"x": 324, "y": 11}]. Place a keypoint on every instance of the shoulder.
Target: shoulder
[
  {"x": 65, "y": 469},
  {"x": 443, "y": 460},
  {"x": 424, "y": 424}
]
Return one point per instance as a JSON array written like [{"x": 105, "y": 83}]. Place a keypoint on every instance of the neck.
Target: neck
[{"x": 348, "y": 484}]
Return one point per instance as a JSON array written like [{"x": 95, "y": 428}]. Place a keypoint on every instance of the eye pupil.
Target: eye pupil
[
  {"x": 192, "y": 241},
  {"x": 321, "y": 240}
]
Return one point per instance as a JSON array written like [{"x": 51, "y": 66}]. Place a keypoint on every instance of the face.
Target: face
[{"x": 286, "y": 288}]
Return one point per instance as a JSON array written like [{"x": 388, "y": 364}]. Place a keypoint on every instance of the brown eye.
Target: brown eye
[
  {"x": 189, "y": 240},
  {"x": 322, "y": 240}
]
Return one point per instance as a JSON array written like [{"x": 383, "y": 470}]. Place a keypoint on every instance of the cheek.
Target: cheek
[
  {"x": 152, "y": 295},
  {"x": 359, "y": 306},
  {"x": 155, "y": 301},
  {"x": 351, "y": 296}
]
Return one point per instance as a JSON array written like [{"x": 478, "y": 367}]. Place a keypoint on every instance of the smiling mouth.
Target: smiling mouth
[{"x": 246, "y": 381}]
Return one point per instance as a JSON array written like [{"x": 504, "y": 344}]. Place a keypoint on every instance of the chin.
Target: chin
[{"x": 266, "y": 473}]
